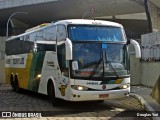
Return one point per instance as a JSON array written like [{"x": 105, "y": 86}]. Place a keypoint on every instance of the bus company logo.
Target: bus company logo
[
  {"x": 8, "y": 61},
  {"x": 103, "y": 86},
  {"x": 18, "y": 61},
  {"x": 6, "y": 114},
  {"x": 62, "y": 89},
  {"x": 92, "y": 83},
  {"x": 15, "y": 61}
]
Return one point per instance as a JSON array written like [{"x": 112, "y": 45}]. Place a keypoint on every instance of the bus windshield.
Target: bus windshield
[
  {"x": 97, "y": 51},
  {"x": 95, "y": 33},
  {"x": 100, "y": 60}
]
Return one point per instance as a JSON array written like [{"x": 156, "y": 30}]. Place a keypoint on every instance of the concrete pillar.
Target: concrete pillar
[
  {"x": 155, "y": 16},
  {"x": 2, "y": 60}
]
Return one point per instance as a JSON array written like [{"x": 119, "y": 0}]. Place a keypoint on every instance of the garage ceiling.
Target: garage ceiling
[{"x": 66, "y": 9}]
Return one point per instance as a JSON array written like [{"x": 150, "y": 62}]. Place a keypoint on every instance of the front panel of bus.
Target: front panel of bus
[{"x": 100, "y": 65}]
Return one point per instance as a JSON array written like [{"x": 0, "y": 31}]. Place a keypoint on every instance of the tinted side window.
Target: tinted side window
[
  {"x": 45, "y": 47},
  {"x": 50, "y": 33},
  {"x": 13, "y": 47},
  {"x": 61, "y": 59},
  {"x": 61, "y": 32},
  {"x": 27, "y": 46},
  {"x": 8, "y": 47}
]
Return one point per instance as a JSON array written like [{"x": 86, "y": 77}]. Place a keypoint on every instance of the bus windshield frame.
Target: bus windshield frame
[{"x": 98, "y": 55}]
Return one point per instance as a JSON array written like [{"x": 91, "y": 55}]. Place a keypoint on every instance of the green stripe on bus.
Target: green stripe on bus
[{"x": 36, "y": 68}]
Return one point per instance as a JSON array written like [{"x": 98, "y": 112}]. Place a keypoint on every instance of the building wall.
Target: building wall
[
  {"x": 150, "y": 73},
  {"x": 2, "y": 60},
  {"x": 144, "y": 73},
  {"x": 147, "y": 71}
]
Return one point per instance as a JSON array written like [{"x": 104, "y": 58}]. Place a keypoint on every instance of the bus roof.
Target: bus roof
[
  {"x": 88, "y": 22},
  {"x": 68, "y": 22}
]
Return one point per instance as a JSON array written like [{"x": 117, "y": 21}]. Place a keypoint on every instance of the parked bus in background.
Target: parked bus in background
[{"x": 74, "y": 60}]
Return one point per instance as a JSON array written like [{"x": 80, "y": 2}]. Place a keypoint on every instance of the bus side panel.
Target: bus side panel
[
  {"x": 50, "y": 70},
  {"x": 24, "y": 74},
  {"x": 20, "y": 67},
  {"x": 35, "y": 71}
]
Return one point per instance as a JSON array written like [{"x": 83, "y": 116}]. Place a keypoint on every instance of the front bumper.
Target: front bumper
[{"x": 94, "y": 95}]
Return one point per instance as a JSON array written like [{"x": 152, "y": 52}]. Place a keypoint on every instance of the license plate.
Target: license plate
[{"x": 103, "y": 95}]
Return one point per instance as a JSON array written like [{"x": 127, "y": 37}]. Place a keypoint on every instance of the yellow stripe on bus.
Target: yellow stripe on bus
[{"x": 23, "y": 73}]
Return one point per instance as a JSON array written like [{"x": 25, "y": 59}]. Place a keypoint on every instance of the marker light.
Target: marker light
[{"x": 39, "y": 76}]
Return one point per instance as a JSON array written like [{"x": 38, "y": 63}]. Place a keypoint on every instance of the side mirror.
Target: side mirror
[
  {"x": 68, "y": 46},
  {"x": 137, "y": 48}
]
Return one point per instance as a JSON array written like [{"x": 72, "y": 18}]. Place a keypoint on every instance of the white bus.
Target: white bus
[{"x": 74, "y": 60}]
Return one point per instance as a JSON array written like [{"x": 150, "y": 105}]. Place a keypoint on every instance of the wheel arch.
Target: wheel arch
[{"x": 51, "y": 80}]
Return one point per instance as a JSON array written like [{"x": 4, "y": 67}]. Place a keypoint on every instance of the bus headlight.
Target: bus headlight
[
  {"x": 124, "y": 86},
  {"x": 78, "y": 87}
]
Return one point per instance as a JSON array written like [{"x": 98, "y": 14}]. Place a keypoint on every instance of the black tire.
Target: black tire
[
  {"x": 51, "y": 93},
  {"x": 100, "y": 101},
  {"x": 12, "y": 82},
  {"x": 16, "y": 85}
]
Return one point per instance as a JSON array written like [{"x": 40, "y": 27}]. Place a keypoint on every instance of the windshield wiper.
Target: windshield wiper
[
  {"x": 107, "y": 61},
  {"x": 96, "y": 67}
]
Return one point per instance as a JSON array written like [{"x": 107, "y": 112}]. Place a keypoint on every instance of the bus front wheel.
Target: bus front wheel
[
  {"x": 51, "y": 94},
  {"x": 100, "y": 101}
]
